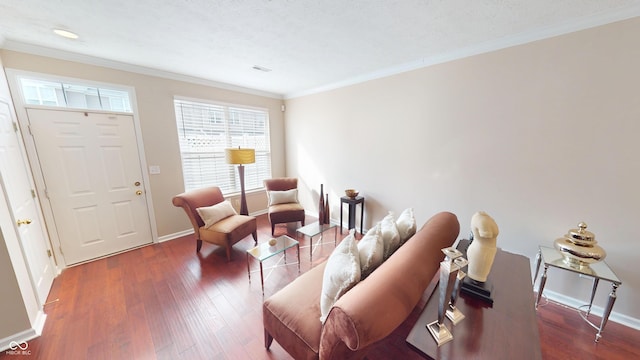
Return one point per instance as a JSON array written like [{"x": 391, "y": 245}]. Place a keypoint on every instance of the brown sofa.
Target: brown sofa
[{"x": 368, "y": 312}]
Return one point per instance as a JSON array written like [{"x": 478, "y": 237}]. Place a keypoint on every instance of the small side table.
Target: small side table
[
  {"x": 264, "y": 251},
  {"x": 352, "y": 211},
  {"x": 550, "y": 257}
]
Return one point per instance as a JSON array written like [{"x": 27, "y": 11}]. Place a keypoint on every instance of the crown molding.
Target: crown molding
[
  {"x": 486, "y": 47},
  {"x": 116, "y": 65}
]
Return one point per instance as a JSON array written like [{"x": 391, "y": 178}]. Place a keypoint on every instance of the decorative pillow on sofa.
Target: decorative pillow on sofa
[
  {"x": 283, "y": 197},
  {"x": 406, "y": 224},
  {"x": 371, "y": 250},
  {"x": 341, "y": 273},
  {"x": 212, "y": 214},
  {"x": 390, "y": 235}
]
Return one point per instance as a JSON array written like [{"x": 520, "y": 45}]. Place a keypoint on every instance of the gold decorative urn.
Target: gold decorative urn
[{"x": 579, "y": 247}]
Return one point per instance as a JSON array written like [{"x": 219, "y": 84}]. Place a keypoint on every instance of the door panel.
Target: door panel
[
  {"x": 15, "y": 178},
  {"x": 94, "y": 201}
]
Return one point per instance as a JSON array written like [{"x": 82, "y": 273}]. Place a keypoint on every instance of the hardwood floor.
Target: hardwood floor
[{"x": 164, "y": 301}]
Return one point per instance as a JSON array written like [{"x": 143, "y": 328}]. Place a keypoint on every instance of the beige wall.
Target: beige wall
[
  {"x": 157, "y": 118},
  {"x": 541, "y": 136}
]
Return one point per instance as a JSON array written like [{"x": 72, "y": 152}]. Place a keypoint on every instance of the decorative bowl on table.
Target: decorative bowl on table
[
  {"x": 352, "y": 193},
  {"x": 579, "y": 247},
  {"x": 273, "y": 242}
]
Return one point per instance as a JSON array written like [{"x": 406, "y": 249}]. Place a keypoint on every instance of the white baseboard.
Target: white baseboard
[
  {"x": 595, "y": 310},
  {"x": 175, "y": 235},
  {"x": 20, "y": 341}
]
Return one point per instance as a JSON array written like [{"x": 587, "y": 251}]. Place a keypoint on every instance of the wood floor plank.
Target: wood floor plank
[
  {"x": 165, "y": 301},
  {"x": 142, "y": 346}
]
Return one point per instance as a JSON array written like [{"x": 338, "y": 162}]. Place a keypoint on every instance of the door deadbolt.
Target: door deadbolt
[
  {"x": 137, "y": 183},
  {"x": 139, "y": 192},
  {"x": 24, "y": 222}
]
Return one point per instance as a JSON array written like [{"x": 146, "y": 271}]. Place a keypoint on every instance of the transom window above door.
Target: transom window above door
[{"x": 74, "y": 95}]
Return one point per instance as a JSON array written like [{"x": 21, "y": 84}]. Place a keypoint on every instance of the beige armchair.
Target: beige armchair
[
  {"x": 283, "y": 205},
  {"x": 224, "y": 232}
]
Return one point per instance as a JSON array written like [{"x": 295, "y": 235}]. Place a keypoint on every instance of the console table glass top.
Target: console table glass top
[
  {"x": 601, "y": 270},
  {"x": 551, "y": 257},
  {"x": 264, "y": 251},
  {"x": 314, "y": 229}
]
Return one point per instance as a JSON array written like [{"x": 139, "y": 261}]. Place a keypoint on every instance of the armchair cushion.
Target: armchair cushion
[
  {"x": 212, "y": 214},
  {"x": 282, "y": 194},
  {"x": 283, "y": 197}
]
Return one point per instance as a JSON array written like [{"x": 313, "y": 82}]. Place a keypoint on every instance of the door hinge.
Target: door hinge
[
  {"x": 48, "y": 253},
  {"x": 46, "y": 193},
  {"x": 29, "y": 128},
  {"x": 15, "y": 126},
  {"x": 60, "y": 248},
  {"x": 33, "y": 193}
]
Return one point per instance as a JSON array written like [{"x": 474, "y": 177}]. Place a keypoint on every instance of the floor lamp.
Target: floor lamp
[{"x": 240, "y": 157}]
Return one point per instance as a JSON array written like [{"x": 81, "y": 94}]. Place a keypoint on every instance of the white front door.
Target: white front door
[
  {"x": 17, "y": 185},
  {"x": 93, "y": 180}
]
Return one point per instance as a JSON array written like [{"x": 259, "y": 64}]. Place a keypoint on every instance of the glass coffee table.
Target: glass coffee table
[
  {"x": 265, "y": 251},
  {"x": 314, "y": 229}
]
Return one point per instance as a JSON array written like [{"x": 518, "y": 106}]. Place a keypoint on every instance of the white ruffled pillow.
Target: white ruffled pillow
[
  {"x": 406, "y": 224},
  {"x": 341, "y": 273},
  {"x": 283, "y": 197},
  {"x": 390, "y": 235},
  {"x": 212, "y": 214},
  {"x": 371, "y": 250}
]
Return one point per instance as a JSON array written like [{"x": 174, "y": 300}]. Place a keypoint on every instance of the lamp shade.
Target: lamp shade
[{"x": 240, "y": 156}]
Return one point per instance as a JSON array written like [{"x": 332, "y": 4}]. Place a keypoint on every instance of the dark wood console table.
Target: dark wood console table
[
  {"x": 352, "y": 202},
  {"x": 506, "y": 330}
]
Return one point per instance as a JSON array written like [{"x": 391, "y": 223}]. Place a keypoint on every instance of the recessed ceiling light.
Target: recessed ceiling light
[
  {"x": 261, "y": 68},
  {"x": 65, "y": 33}
]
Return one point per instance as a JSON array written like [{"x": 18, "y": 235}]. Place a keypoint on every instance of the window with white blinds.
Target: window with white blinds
[{"x": 205, "y": 130}]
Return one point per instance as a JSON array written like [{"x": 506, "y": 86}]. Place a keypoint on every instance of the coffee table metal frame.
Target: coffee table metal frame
[
  {"x": 264, "y": 251},
  {"x": 314, "y": 229},
  {"x": 551, "y": 257}
]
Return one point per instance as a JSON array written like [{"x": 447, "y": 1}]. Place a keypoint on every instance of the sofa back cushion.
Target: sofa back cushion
[
  {"x": 341, "y": 273},
  {"x": 390, "y": 235},
  {"x": 371, "y": 251},
  {"x": 406, "y": 224}
]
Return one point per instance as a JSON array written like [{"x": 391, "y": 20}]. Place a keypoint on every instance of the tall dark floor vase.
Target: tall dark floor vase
[{"x": 321, "y": 207}]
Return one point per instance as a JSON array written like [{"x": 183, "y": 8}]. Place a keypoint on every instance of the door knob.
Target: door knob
[
  {"x": 24, "y": 222},
  {"x": 139, "y": 192}
]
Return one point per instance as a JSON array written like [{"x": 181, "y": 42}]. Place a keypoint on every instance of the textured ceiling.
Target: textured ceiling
[{"x": 308, "y": 44}]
